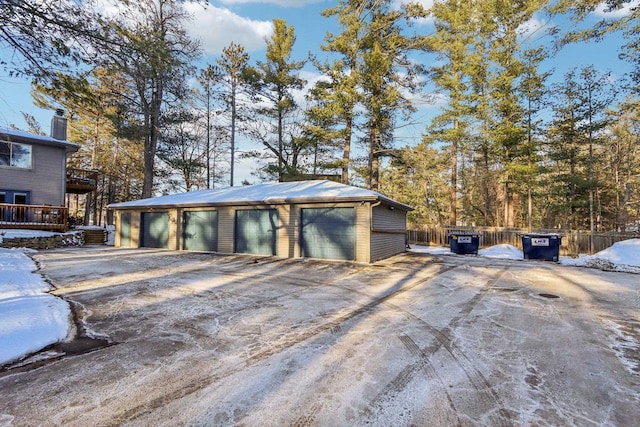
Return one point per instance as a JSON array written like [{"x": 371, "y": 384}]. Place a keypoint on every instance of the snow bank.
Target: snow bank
[
  {"x": 622, "y": 256},
  {"x": 503, "y": 251},
  {"x": 31, "y": 318}
]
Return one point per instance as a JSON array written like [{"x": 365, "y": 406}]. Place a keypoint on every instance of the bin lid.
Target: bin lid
[{"x": 549, "y": 235}]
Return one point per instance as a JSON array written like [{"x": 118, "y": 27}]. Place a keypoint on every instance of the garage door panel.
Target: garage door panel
[
  {"x": 256, "y": 231},
  {"x": 200, "y": 231},
  {"x": 125, "y": 229},
  {"x": 328, "y": 233},
  {"x": 155, "y": 229}
]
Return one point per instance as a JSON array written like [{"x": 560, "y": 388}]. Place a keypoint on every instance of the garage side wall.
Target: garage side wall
[{"x": 388, "y": 232}]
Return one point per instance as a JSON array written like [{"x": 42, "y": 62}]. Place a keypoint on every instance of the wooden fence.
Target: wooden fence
[{"x": 573, "y": 242}]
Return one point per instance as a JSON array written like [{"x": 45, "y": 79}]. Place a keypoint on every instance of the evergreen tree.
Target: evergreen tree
[
  {"x": 533, "y": 91},
  {"x": 342, "y": 93},
  {"x": 233, "y": 69},
  {"x": 154, "y": 53},
  {"x": 386, "y": 74},
  {"x": 180, "y": 149},
  {"x": 207, "y": 78},
  {"x": 452, "y": 41},
  {"x": 278, "y": 77}
]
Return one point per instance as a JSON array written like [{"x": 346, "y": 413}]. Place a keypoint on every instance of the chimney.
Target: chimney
[{"x": 59, "y": 125}]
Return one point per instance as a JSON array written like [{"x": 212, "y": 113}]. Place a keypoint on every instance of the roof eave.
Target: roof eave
[{"x": 272, "y": 201}]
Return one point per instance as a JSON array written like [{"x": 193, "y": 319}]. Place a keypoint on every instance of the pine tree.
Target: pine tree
[
  {"x": 452, "y": 41},
  {"x": 233, "y": 66},
  {"x": 279, "y": 76},
  {"x": 152, "y": 50},
  {"x": 342, "y": 94}
]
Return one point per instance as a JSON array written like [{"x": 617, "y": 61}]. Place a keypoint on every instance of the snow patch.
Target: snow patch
[
  {"x": 623, "y": 256},
  {"x": 31, "y": 317}
]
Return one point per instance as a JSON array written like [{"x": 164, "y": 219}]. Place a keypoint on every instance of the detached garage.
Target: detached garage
[{"x": 314, "y": 219}]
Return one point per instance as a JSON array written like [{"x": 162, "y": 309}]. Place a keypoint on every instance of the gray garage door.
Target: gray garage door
[
  {"x": 125, "y": 229},
  {"x": 154, "y": 230},
  {"x": 255, "y": 231},
  {"x": 200, "y": 231},
  {"x": 328, "y": 233}
]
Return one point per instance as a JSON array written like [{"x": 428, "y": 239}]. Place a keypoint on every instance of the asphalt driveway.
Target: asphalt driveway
[{"x": 176, "y": 338}]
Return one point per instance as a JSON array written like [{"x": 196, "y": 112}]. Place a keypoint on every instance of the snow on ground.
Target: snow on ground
[
  {"x": 31, "y": 318},
  {"x": 622, "y": 256},
  {"x": 498, "y": 251}
]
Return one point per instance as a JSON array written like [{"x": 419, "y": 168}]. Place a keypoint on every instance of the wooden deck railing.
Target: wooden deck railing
[
  {"x": 81, "y": 181},
  {"x": 34, "y": 217}
]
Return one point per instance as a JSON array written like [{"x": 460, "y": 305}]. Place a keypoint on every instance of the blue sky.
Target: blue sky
[{"x": 248, "y": 22}]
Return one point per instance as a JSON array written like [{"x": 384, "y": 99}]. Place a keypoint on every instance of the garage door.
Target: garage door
[
  {"x": 328, "y": 233},
  {"x": 200, "y": 231},
  {"x": 125, "y": 229},
  {"x": 154, "y": 230},
  {"x": 255, "y": 231}
]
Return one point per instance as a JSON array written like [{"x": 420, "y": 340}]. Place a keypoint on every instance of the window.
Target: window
[
  {"x": 20, "y": 198},
  {"x": 15, "y": 155},
  {"x": 3, "y": 198}
]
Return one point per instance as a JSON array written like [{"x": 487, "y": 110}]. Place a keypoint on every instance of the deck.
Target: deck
[
  {"x": 81, "y": 181},
  {"x": 34, "y": 217}
]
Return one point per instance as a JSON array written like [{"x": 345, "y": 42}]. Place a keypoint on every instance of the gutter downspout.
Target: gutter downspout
[{"x": 371, "y": 206}]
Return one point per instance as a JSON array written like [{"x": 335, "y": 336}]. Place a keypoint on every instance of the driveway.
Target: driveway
[{"x": 176, "y": 338}]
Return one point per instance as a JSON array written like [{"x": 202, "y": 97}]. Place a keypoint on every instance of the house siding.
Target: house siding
[
  {"x": 45, "y": 181},
  {"x": 388, "y": 232}
]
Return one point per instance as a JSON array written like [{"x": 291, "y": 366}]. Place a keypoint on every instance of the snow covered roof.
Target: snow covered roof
[
  {"x": 13, "y": 135},
  {"x": 321, "y": 191}
]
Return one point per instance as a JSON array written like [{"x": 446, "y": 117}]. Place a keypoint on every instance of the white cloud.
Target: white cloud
[
  {"x": 427, "y": 4},
  {"x": 533, "y": 28},
  {"x": 623, "y": 11},
  {"x": 285, "y": 3},
  {"x": 217, "y": 27}
]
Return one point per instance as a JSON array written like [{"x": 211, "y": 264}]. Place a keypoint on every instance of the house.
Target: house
[
  {"x": 33, "y": 177},
  {"x": 315, "y": 219}
]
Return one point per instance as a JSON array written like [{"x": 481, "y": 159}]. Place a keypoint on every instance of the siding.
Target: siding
[
  {"x": 226, "y": 222},
  {"x": 386, "y": 239},
  {"x": 45, "y": 181},
  {"x": 388, "y": 233}
]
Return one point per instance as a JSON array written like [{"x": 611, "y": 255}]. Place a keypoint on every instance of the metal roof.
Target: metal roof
[{"x": 321, "y": 191}]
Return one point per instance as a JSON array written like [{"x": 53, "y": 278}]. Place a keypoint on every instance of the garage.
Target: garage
[
  {"x": 200, "y": 231},
  {"x": 301, "y": 219},
  {"x": 154, "y": 229},
  {"x": 328, "y": 233},
  {"x": 255, "y": 231}
]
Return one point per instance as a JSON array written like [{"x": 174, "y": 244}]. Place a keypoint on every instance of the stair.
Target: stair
[{"x": 95, "y": 236}]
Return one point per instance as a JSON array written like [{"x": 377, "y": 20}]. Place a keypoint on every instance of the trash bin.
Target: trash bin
[
  {"x": 464, "y": 243},
  {"x": 541, "y": 246}
]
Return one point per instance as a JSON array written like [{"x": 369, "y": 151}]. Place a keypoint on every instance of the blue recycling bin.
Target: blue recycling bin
[
  {"x": 464, "y": 243},
  {"x": 545, "y": 247}
]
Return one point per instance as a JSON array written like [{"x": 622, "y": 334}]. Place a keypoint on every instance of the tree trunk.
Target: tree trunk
[
  {"x": 453, "y": 195},
  {"x": 233, "y": 132},
  {"x": 346, "y": 153}
]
